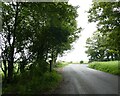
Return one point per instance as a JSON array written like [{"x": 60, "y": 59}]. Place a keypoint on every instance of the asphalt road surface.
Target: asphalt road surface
[{"x": 79, "y": 79}]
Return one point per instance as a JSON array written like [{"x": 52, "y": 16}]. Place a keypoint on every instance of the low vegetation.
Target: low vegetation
[
  {"x": 110, "y": 66},
  {"x": 33, "y": 84},
  {"x": 61, "y": 64}
]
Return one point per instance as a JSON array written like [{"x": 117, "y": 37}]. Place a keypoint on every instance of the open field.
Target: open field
[{"x": 112, "y": 67}]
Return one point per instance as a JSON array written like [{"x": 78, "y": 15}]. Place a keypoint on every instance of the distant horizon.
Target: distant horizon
[{"x": 88, "y": 29}]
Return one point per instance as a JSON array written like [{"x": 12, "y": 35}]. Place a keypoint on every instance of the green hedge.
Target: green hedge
[{"x": 112, "y": 67}]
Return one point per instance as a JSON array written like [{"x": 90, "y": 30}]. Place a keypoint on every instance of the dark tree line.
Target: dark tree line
[
  {"x": 98, "y": 48},
  {"x": 34, "y": 34},
  {"x": 105, "y": 43}
]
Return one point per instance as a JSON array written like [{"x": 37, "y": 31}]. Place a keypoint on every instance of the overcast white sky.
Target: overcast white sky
[{"x": 78, "y": 53}]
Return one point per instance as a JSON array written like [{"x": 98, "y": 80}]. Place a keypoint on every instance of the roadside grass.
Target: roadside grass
[
  {"x": 34, "y": 84},
  {"x": 75, "y": 63},
  {"x": 61, "y": 64},
  {"x": 112, "y": 67}
]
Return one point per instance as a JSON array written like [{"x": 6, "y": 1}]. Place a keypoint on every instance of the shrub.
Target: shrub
[
  {"x": 35, "y": 85},
  {"x": 81, "y": 62}
]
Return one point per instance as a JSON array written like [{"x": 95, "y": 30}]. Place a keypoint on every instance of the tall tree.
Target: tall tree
[
  {"x": 31, "y": 35},
  {"x": 107, "y": 15},
  {"x": 10, "y": 22}
]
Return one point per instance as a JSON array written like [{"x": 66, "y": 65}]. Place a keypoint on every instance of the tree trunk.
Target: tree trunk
[
  {"x": 10, "y": 72},
  {"x": 112, "y": 56},
  {"x": 50, "y": 65},
  {"x": 11, "y": 54},
  {"x": 5, "y": 69}
]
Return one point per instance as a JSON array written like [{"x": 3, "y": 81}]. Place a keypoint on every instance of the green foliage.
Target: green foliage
[
  {"x": 38, "y": 37},
  {"x": 61, "y": 64},
  {"x": 99, "y": 49},
  {"x": 110, "y": 66},
  {"x": 107, "y": 16},
  {"x": 34, "y": 84},
  {"x": 81, "y": 62}
]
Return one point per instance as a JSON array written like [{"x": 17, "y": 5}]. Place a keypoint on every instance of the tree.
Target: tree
[
  {"x": 61, "y": 35},
  {"x": 107, "y": 15},
  {"x": 81, "y": 62},
  {"x": 32, "y": 41},
  {"x": 10, "y": 21},
  {"x": 98, "y": 48}
]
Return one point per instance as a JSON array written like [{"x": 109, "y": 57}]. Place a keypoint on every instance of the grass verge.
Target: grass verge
[
  {"x": 35, "y": 84},
  {"x": 112, "y": 67},
  {"x": 61, "y": 64}
]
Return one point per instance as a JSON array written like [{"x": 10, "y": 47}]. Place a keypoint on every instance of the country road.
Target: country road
[{"x": 79, "y": 79}]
